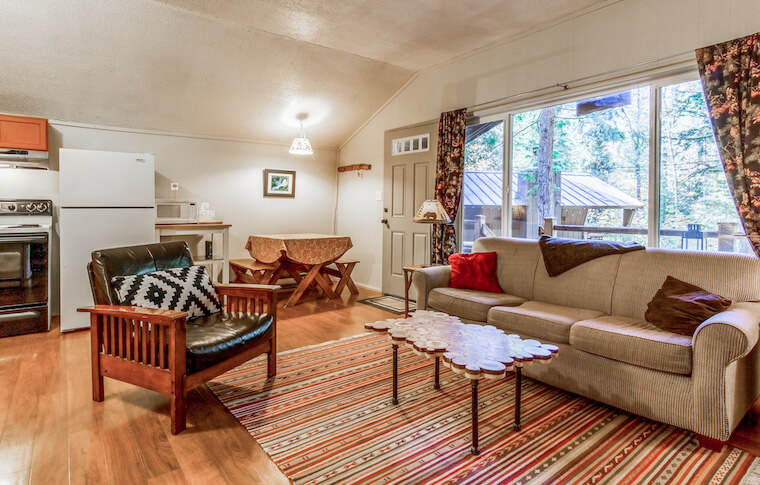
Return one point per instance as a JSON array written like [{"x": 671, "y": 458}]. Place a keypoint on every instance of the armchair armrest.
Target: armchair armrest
[
  {"x": 165, "y": 317},
  {"x": 425, "y": 279},
  {"x": 248, "y": 298}
]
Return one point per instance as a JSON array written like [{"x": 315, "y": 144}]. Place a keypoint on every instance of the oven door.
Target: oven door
[
  {"x": 23, "y": 281},
  {"x": 23, "y": 320}
]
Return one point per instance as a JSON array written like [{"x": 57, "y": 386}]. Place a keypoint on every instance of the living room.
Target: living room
[{"x": 411, "y": 243}]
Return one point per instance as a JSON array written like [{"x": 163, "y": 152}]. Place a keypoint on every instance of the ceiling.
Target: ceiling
[{"x": 238, "y": 68}]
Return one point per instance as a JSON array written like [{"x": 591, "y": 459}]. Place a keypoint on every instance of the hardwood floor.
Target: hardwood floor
[{"x": 52, "y": 432}]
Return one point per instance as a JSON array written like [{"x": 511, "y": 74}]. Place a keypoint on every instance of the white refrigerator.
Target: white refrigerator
[{"x": 107, "y": 200}]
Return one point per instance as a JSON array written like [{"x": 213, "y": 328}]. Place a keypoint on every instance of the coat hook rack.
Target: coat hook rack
[{"x": 357, "y": 166}]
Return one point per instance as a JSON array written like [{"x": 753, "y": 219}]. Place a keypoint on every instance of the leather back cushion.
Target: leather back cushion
[
  {"x": 133, "y": 260},
  {"x": 735, "y": 277},
  {"x": 516, "y": 263}
]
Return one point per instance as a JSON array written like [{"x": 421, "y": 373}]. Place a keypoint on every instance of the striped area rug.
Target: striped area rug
[{"x": 327, "y": 418}]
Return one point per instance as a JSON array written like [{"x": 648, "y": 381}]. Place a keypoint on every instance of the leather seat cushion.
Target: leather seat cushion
[
  {"x": 218, "y": 337},
  {"x": 469, "y": 304},
  {"x": 635, "y": 342},
  {"x": 542, "y": 321}
]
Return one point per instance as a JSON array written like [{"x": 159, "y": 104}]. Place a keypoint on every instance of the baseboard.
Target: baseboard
[{"x": 368, "y": 287}]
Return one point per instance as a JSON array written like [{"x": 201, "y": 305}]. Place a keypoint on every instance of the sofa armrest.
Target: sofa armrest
[
  {"x": 426, "y": 279},
  {"x": 729, "y": 335},
  {"x": 724, "y": 383}
]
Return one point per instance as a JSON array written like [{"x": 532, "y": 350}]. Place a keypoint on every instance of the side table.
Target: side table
[{"x": 408, "y": 270}]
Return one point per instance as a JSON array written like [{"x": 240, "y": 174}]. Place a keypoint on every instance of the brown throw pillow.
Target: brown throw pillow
[{"x": 680, "y": 307}]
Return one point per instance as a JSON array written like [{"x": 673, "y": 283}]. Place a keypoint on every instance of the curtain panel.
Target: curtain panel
[
  {"x": 448, "y": 181},
  {"x": 730, "y": 74}
]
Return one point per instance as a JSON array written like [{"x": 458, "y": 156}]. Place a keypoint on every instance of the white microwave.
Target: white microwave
[{"x": 170, "y": 211}]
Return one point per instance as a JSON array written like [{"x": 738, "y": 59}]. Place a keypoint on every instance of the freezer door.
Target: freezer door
[
  {"x": 90, "y": 178},
  {"x": 83, "y": 231}
]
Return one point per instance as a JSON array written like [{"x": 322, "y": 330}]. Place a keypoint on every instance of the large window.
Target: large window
[
  {"x": 696, "y": 208},
  {"x": 586, "y": 166},
  {"x": 483, "y": 184}
]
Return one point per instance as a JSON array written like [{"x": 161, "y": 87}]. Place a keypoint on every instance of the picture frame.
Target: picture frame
[{"x": 279, "y": 183}]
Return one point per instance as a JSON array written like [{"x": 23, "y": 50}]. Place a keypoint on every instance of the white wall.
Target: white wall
[
  {"x": 617, "y": 35},
  {"x": 227, "y": 174}
]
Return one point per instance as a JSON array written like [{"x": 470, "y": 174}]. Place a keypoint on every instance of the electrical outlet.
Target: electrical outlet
[{"x": 378, "y": 195}]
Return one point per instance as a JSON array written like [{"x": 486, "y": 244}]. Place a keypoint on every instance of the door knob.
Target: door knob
[{"x": 385, "y": 221}]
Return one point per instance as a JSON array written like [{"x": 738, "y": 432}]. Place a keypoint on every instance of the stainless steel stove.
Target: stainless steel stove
[{"x": 25, "y": 227}]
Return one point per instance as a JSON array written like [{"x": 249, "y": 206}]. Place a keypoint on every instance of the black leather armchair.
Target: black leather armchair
[{"x": 160, "y": 349}]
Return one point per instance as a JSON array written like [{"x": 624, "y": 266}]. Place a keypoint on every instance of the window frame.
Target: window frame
[{"x": 655, "y": 85}]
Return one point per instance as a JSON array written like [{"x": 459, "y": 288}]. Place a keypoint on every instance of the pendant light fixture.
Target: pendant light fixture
[{"x": 301, "y": 144}]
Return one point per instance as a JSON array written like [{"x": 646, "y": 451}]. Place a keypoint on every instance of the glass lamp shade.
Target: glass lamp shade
[
  {"x": 301, "y": 146},
  {"x": 432, "y": 212}
]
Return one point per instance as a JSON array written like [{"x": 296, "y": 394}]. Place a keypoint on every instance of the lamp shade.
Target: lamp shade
[
  {"x": 432, "y": 212},
  {"x": 301, "y": 146}
]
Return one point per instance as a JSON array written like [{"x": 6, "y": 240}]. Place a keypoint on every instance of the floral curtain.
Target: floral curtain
[
  {"x": 731, "y": 79},
  {"x": 448, "y": 181}
]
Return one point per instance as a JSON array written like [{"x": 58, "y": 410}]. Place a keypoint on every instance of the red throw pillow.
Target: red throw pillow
[{"x": 476, "y": 271}]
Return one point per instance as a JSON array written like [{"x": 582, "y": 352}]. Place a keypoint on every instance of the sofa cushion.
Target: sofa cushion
[
  {"x": 469, "y": 304},
  {"x": 633, "y": 341},
  {"x": 517, "y": 261},
  {"x": 542, "y": 321},
  {"x": 735, "y": 277},
  {"x": 218, "y": 337},
  {"x": 588, "y": 285}
]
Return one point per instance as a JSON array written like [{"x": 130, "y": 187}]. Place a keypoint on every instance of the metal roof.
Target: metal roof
[{"x": 578, "y": 190}]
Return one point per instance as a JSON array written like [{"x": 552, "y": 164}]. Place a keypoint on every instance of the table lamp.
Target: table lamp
[{"x": 432, "y": 212}]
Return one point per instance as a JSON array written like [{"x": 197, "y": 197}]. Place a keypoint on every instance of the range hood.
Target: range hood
[{"x": 15, "y": 158}]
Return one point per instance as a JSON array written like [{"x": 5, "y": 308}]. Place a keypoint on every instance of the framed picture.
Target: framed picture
[{"x": 279, "y": 183}]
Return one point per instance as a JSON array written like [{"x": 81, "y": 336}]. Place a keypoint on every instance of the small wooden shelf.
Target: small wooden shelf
[
  {"x": 356, "y": 166},
  {"x": 202, "y": 229}
]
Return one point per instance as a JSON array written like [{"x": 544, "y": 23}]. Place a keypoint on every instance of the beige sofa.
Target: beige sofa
[{"x": 595, "y": 314}]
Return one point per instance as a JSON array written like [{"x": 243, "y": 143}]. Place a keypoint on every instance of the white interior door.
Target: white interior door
[
  {"x": 83, "y": 231},
  {"x": 409, "y": 179}
]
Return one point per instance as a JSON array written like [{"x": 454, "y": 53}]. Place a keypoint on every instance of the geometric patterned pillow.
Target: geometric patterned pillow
[{"x": 183, "y": 289}]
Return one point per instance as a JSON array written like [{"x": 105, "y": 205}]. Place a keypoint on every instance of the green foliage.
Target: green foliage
[{"x": 613, "y": 145}]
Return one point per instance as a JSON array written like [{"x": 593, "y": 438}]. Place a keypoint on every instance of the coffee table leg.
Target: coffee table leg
[
  {"x": 474, "y": 449},
  {"x": 518, "y": 397},
  {"x": 437, "y": 384},
  {"x": 395, "y": 374}
]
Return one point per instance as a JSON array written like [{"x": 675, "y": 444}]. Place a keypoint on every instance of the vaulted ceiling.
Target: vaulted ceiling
[{"x": 238, "y": 68}]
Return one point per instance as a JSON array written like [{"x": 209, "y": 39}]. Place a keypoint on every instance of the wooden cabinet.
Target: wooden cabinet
[{"x": 23, "y": 132}]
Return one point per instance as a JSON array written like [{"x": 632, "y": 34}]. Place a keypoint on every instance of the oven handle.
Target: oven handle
[
  {"x": 9, "y": 317},
  {"x": 22, "y": 239}
]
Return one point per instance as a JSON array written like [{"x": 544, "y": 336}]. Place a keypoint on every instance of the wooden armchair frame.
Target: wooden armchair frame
[{"x": 147, "y": 347}]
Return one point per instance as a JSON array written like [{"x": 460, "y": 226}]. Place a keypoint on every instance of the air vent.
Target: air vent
[{"x": 411, "y": 144}]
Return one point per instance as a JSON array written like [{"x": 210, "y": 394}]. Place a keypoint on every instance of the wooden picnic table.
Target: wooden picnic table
[{"x": 296, "y": 254}]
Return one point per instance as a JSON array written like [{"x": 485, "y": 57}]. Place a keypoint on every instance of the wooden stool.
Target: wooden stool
[
  {"x": 345, "y": 267},
  {"x": 252, "y": 271}
]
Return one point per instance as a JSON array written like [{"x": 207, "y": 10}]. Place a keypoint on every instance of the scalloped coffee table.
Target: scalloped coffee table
[{"x": 477, "y": 351}]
